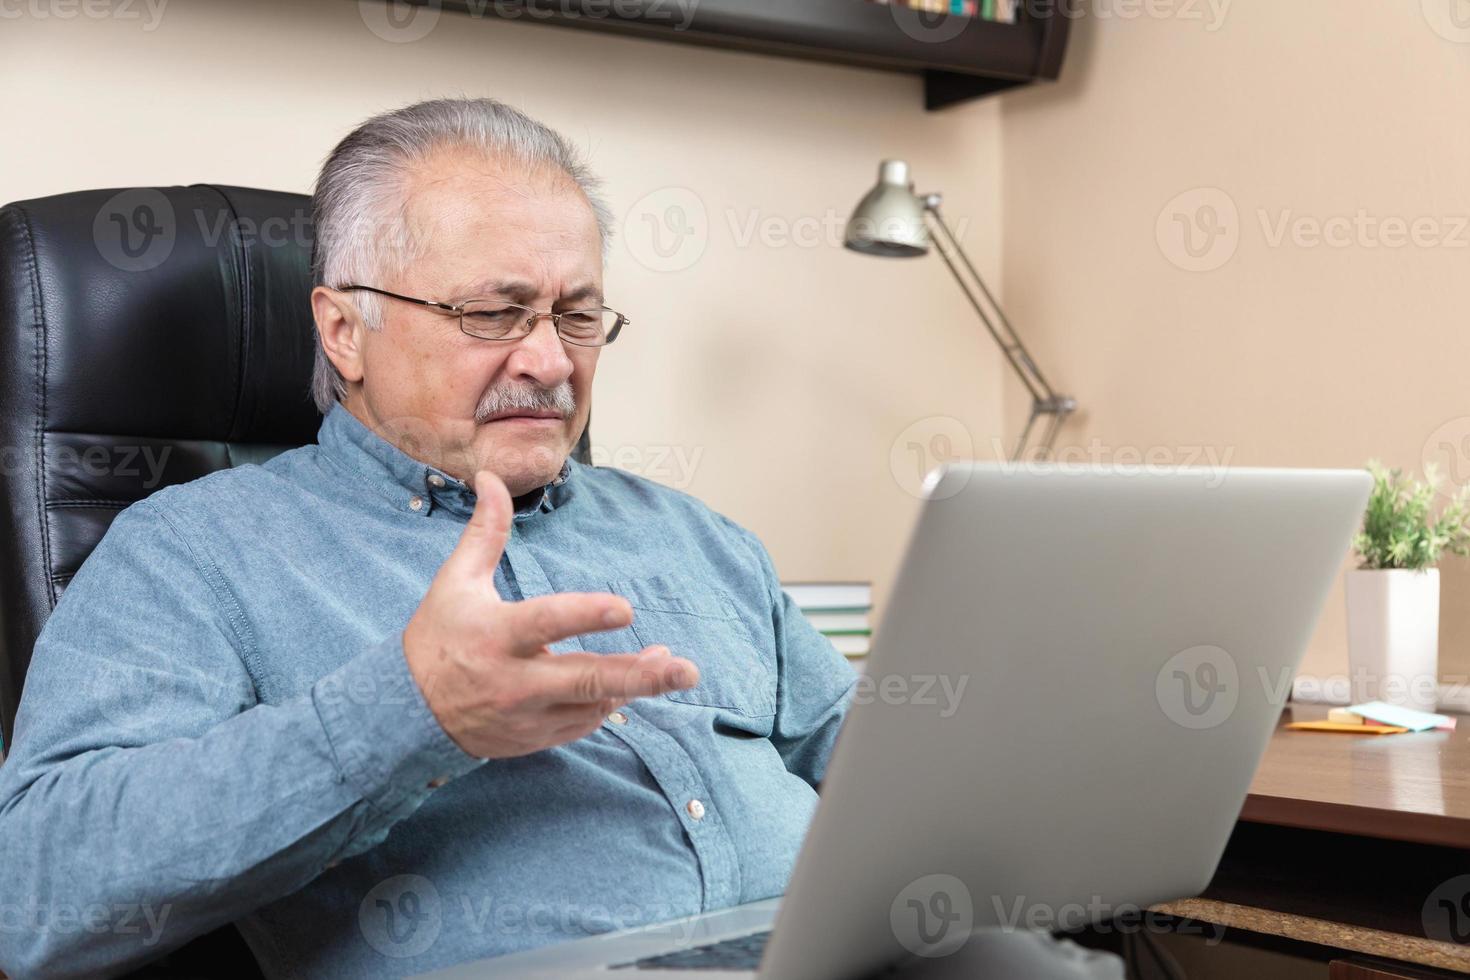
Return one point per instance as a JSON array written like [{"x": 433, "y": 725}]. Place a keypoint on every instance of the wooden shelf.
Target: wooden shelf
[{"x": 958, "y": 59}]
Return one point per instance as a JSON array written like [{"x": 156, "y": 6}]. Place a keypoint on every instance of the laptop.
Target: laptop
[{"x": 1122, "y": 642}]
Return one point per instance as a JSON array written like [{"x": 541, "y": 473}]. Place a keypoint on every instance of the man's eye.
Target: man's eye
[{"x": 491, "y": 316}]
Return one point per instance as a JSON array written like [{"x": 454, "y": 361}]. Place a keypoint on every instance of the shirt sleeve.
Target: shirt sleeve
[
  {"x": 814, "y": 684},
  {"x": 146, "y": 779}
]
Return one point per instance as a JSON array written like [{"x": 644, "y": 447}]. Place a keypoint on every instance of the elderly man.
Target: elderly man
[{"x": 429, "y": 690}]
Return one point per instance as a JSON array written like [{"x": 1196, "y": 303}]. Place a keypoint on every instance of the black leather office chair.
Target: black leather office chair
[{"x": 147, "y": 337}]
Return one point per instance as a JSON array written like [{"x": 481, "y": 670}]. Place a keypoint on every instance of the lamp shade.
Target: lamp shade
[{"x": 889, "y": 220}]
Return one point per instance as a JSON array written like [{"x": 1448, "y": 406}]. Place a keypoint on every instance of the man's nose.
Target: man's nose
[{"x": 541, "y": 356}]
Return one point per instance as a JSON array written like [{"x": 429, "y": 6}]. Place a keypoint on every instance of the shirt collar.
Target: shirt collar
[{"x": 413, "y": 486}]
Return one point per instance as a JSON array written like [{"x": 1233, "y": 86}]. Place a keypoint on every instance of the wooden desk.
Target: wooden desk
[
  {"x": 1345, "y": 842},
  {"x": 1413, "y": 787}
]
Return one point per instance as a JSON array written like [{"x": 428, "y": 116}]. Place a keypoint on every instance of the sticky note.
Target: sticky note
[
  {"x": 1393, "y": 714},
  {"x": 1337, "y": 726}
]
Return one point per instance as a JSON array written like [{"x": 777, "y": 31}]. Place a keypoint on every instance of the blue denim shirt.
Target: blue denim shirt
[{"x": 218, "y": 725}]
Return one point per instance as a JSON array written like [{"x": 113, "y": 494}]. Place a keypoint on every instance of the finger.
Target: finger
[
  {"x": 533, "y": 623},
  {"x": 483, "y": 540},
  {"x": 583, "y": 678}
]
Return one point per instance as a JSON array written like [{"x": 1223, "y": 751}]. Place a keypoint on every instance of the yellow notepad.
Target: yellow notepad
[{"x": 1337, "y": 726}]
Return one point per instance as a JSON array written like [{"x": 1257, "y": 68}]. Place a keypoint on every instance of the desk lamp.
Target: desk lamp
[{"x": 890, "y": 222}]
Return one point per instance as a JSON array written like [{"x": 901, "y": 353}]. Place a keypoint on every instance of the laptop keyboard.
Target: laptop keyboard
[{"x": 739, "y": 953}]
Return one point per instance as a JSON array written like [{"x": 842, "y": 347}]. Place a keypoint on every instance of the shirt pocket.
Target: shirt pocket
[{"x": 701, "y": 624}]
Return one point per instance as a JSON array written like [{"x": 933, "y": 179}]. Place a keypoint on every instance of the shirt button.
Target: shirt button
[
  {"x": 438, "y": 781},
  {"x": 436, "y": 481},
  {"x": 415, "y": 503},
  {"x": 618, "y": 718},
  {"x": 696, "y": 809}
]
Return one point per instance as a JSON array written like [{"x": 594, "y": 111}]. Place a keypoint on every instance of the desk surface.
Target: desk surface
[{"x": 1411, "y": 787}]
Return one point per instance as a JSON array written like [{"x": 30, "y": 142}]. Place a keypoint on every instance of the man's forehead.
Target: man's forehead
[
  {"x": 469, "y": 183},
  {"x": 488, "y": 228},
  {"x": 522, "y": 289}
]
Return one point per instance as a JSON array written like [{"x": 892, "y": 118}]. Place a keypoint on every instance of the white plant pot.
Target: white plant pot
[{"x": 1393, "y": 636}]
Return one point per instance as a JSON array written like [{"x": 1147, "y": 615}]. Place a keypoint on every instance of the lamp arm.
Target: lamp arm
[{"x": 1044, "y": 398}]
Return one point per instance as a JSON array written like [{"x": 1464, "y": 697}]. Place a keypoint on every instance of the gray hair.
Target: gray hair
[{"x": 360, "y": 207}]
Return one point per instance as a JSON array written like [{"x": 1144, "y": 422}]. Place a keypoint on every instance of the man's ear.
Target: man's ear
[{"x": 341, "y": 329}]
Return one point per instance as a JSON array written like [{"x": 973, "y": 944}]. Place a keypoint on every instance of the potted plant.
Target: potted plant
[{"x": 1393, "y": 594}]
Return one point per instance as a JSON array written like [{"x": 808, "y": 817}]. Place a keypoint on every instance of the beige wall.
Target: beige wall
[
  {"x": 1291, "y": 351},
  {"x": 757, "y": 376},
  {"x": 756, "y": 358}
]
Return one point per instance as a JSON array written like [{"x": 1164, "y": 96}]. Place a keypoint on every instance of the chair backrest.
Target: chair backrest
[{"x": 148, "y": 336}]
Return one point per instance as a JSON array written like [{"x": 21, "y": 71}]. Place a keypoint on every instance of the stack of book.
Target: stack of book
[{"x": 840, "y": 610}]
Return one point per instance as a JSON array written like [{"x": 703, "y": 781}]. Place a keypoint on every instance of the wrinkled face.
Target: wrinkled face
[{"x": 484, "y": 230}]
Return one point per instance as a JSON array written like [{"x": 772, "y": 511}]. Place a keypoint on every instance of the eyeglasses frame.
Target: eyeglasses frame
[{"x": 532, "y": 318}]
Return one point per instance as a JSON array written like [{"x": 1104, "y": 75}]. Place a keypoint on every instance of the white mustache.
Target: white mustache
[{"x": 526, "y": 398}]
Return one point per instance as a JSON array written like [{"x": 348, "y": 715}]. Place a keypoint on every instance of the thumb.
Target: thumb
[{"x": 483, "y": 540}]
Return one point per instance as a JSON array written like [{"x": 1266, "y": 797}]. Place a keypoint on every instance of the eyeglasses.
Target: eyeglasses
[{"x": 493, "y": 319}]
